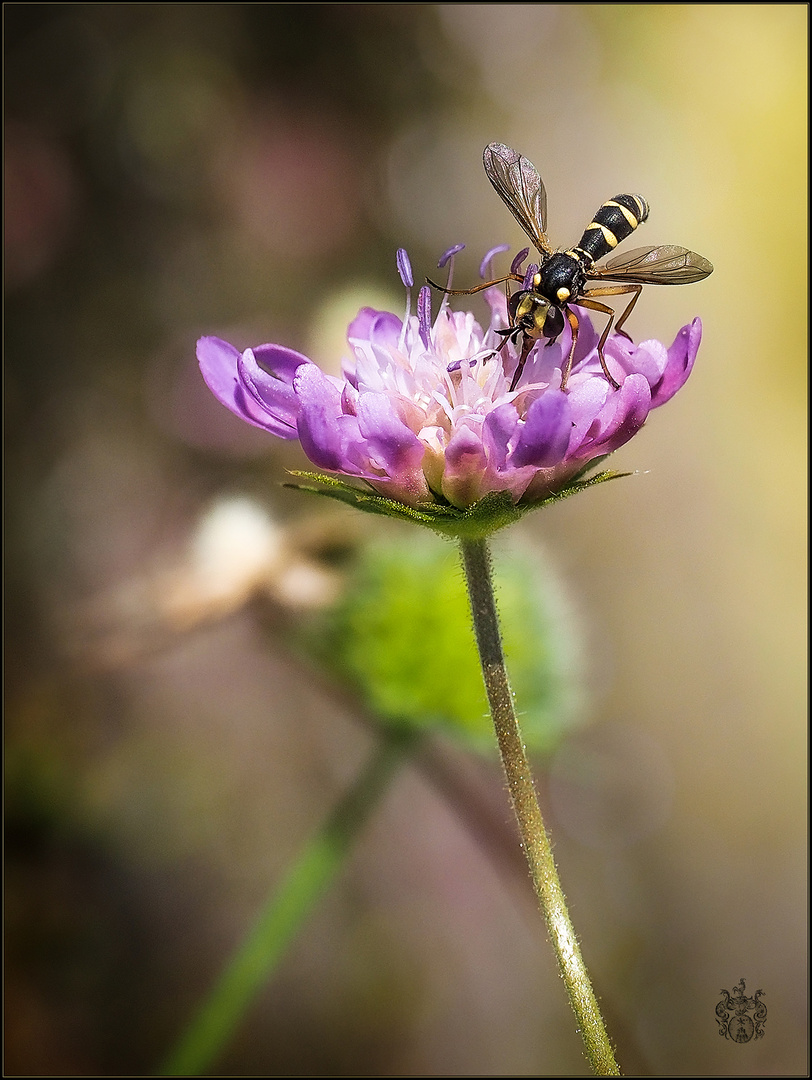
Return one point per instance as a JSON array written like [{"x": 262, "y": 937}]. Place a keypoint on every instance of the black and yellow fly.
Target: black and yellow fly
[{"x": 561, "y": 278}]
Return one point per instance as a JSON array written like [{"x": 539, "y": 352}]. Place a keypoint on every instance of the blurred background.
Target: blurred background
[{"x": 174, "y": 170}]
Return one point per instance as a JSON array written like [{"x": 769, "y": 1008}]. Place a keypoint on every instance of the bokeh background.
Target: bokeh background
[{"x": 173, "y": 170}]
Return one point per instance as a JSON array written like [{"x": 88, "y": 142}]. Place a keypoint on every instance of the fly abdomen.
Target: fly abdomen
[{"x": 615, "y": 220}]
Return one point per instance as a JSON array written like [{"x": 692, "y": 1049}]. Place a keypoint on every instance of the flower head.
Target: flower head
[{"x": 424, "y": 412}]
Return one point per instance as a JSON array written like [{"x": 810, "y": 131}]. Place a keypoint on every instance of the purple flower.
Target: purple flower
[{"x": 424, "y": 413}]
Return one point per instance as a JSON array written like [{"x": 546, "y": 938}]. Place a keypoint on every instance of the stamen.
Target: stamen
[
  {"x": 407, "y": 277},
  {"x": 485, "y": 265},
  {"x": 516, "y": 265},
  {"x": 424, "y": 315},
  {"x": 448, "y": 257},
  {"x": 405, "y": 268},
  {"x": 530, "y": 273},
  {"x": 452, "y": 251}
]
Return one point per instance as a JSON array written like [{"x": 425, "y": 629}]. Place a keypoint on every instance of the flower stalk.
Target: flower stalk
[
  {"x": 536, "y": 843},
  {"x": 286, "y": 909},
  {"x": 463, "y": 428}
]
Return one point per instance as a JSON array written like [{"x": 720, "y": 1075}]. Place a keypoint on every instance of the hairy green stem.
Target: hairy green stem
[
  {"x": 476, "y": 563},
  {"x": 289, "y": 905}
]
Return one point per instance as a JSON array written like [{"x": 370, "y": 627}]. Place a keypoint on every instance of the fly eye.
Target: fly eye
[
  {"x": 519, "y": 304},
  {"x": 554, "y": 323}
]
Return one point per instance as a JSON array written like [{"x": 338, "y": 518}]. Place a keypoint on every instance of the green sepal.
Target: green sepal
[
  {"x": 491, "y": 513},
  {"x": 575, "y": 485}
]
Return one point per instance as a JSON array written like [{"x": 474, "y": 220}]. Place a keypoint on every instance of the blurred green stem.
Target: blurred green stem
[
  {"x": 289, "y": 905},
  {"x": 476, "y": 563}
]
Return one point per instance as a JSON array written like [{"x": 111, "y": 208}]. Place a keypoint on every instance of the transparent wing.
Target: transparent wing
[
  {"x": 520, "y": 187},
  {"x": 666, "y": 265}
]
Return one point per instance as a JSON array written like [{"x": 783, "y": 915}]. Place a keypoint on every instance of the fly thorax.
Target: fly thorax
[{"x": 562, "y": 278}]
